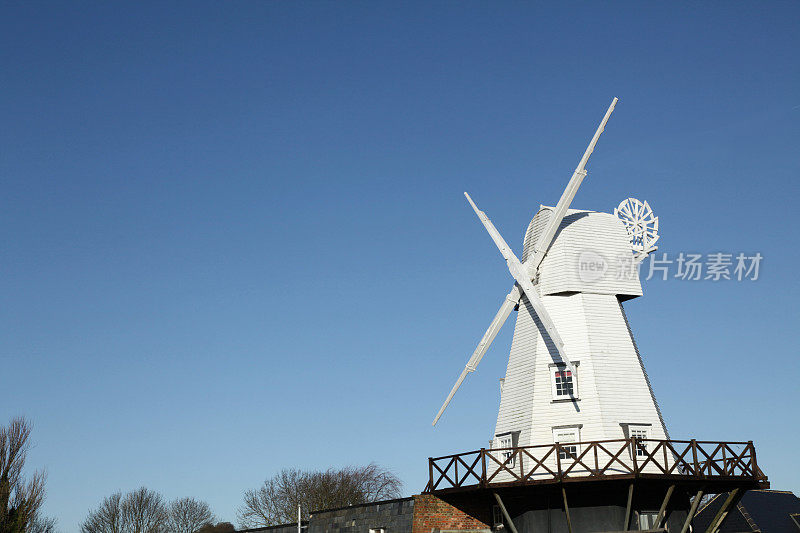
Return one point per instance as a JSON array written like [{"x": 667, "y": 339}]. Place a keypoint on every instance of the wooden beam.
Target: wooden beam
[
  {"x": 505, "y": 513},
  {"x": 628, "y": 508},
  {"x": 662, "y": 512},
  {"x": 566, "y": 508},
  {"x": 733, "y": 498},
  {"x": 692, "y": 510}
]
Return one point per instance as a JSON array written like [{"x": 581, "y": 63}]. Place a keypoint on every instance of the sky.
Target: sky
[{"x": 234, "y": 238}]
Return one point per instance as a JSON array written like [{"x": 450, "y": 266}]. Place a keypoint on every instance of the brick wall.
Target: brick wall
[{"x": 431, "y": 512}]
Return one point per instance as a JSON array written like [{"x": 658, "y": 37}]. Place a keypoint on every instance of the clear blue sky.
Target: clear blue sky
[{"x": 234, "y": 238}]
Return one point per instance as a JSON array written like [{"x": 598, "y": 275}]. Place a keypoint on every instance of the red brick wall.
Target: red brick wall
[{"x": 432, "y": 513}]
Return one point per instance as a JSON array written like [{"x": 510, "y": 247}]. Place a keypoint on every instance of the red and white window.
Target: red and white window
[{"x": 564, "y": 382}]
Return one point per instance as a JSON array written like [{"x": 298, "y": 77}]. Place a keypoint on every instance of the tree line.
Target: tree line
[{"x": 143, "y": 510}]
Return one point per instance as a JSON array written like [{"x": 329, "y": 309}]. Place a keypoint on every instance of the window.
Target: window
[
  {"x": 639, "y": 432},
  {"x": 497, "y": 517},
  {"x": 565, "y": 435},
  {"x": 564, "y": 381},
  {"x": 507, "y": 440},
  {"x": 647, "y": 520},
  {"x": 377, "y": 530}
]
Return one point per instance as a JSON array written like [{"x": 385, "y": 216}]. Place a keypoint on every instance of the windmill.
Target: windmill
[
  {"x": 574, "y": 372},
  {"x": 577, "y": 412}
]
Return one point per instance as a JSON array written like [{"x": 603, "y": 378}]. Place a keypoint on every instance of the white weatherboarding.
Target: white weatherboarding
[{"x": 574, "y": 372}]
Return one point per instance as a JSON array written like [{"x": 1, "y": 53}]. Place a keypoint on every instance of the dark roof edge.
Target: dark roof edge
[
  {"x": 396, "y": 500},
  {"x": 305, "y": 522},
  {"x": 269, "y": 528}
]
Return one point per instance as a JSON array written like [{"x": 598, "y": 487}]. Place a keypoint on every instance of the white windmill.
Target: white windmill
[{"x": 574, "y": 372}]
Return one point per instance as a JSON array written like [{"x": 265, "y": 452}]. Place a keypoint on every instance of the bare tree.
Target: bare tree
[
  {"x": 20, "y": 498},
  {"x": 42, "y": 525},
  {"x": 187, "y": 515},
  {"x": 375, "y": 483},
  {"x": 276, "y": 501},
  {"x": 144, "y": 511},
  {"x": 139, "y": 511},
  {"x": 107, "y": 518}
]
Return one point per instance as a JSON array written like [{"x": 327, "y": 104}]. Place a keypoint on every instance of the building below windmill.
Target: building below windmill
[{"x": 759, "y": 511}]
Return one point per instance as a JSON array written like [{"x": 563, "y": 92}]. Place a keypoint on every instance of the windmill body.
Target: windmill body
[
  {"x": 574, "y": 372},
  {"x": 582, "y": 281}
]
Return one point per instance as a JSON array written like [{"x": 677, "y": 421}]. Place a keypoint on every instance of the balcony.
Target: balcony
[{"x": 698, "y": 462}]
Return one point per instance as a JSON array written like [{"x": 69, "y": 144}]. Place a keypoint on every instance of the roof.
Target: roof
[
  {"x": 304, "y": 525},
  {"x": 590, "y": 253},
  {"x": 767, "y": 511}
]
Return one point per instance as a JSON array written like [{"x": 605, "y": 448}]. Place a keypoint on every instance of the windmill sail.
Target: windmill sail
[
  {"x": 523, "y": 274},
  {"x": 568, "y": 195}
]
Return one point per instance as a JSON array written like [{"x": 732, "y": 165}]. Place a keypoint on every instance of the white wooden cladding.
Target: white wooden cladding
[
  {"x": 583, "y": 235},
  {"x": 612, "y": 387}
]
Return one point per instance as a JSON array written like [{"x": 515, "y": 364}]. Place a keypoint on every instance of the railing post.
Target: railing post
[
  {"x": 753, "y": 455},
  {"x": 558, "y": 460},
  {"x": 430, "y": 472},
  {"x": 483, "y": 467},
  {"x": 634, "y": 452},
  {"x": 724, "y": 462},
  {"x": 695, "y": 464}
]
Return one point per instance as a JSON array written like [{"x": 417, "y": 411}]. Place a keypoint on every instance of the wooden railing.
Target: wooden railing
[{"x": 596, "y": 459}]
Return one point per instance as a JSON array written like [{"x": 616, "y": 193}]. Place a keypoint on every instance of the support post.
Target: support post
[
  {"x": 725, "y": 463},
  {"x": 733, "y": 498},
  {"x": 558, "y": 460},
  {"x": 695, "y": 464},
  {"x": 430, "y": 473},
  {"x": 566, "y": 508},
  {"x": 483, "y": 467},
  {"x": 692, "y": 510},
  {"x": 628, "y": 508},
  {"x": 662, "y": 512},
  {"x": 507, "y": 516},
  {"x": 596, "y": 463}
]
